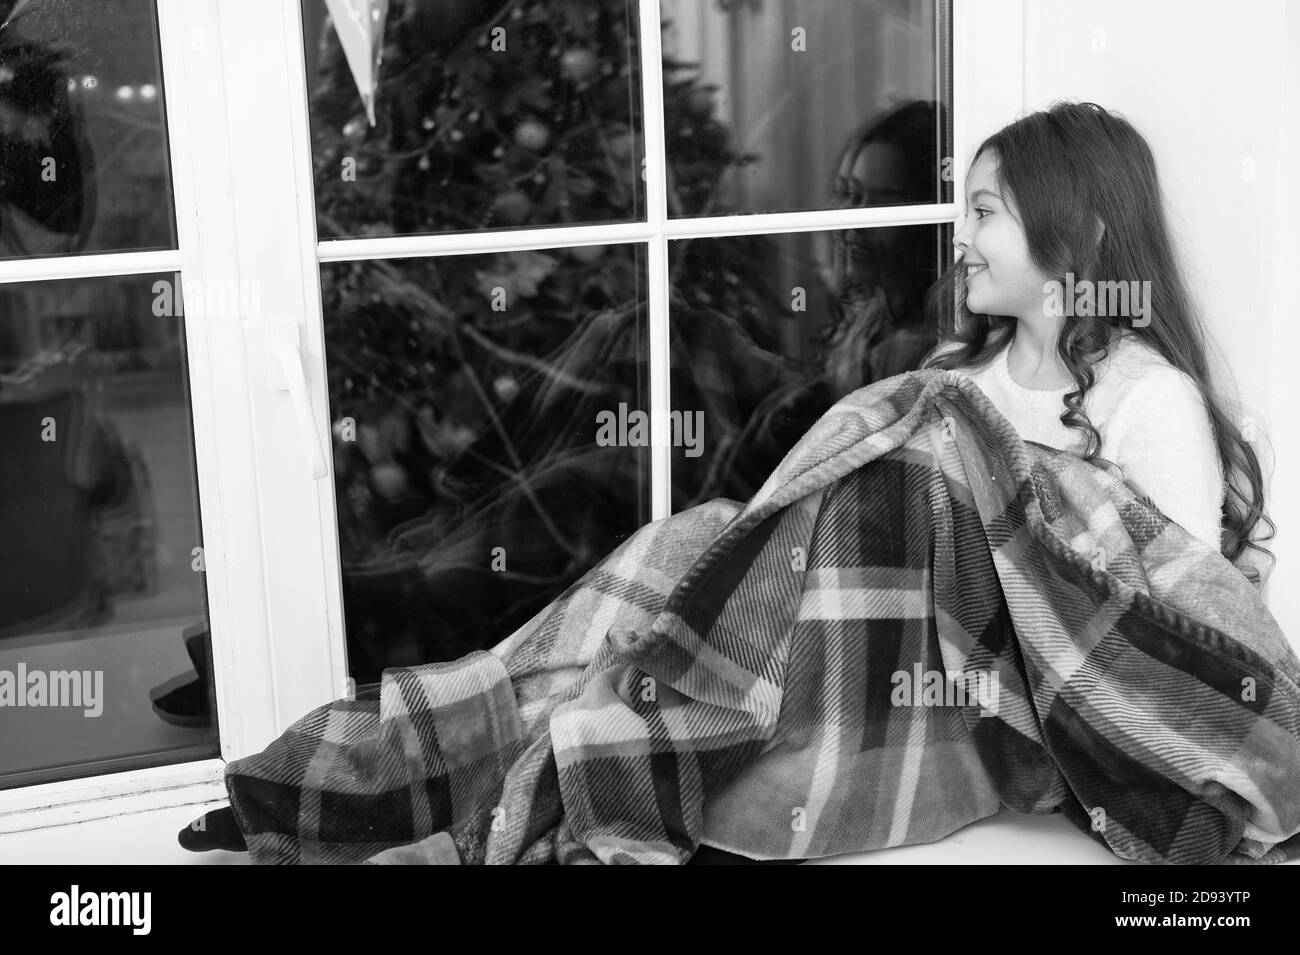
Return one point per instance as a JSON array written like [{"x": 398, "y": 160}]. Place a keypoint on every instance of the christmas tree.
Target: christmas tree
[{"x": 470, "y": 488}]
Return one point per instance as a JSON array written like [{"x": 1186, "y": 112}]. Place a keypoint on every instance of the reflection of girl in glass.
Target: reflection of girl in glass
[{"x": 880, "y": 275}]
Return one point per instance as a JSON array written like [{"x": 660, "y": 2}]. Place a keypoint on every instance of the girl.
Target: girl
[{"x": 1055, "y": 200}]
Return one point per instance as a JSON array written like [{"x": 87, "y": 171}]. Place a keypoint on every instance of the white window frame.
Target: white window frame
[{"x": 236, "y": 98}]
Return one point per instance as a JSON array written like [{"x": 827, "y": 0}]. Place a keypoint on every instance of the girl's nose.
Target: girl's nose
[{"x": 959, "y": 239}]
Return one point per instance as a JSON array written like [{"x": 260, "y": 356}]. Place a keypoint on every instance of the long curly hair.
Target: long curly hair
[{"x": 1068, "y": 167}]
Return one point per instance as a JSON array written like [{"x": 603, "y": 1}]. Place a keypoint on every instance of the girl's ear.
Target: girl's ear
[{"x": 1099, "y": 231}]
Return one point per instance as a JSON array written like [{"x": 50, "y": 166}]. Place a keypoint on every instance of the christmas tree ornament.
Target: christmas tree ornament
[
  {"x": 389, "y": 479},
  {"x": 578, "y": 64},
  {"x": 506, "y": 387},
  {"x": 360, "y": 28},
  {"x": 530, "y": 134},
  {"x": 512, "y": 207}
]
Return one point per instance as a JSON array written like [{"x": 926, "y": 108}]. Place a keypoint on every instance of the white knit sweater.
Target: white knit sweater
[{"x": 1152, "y": 421}]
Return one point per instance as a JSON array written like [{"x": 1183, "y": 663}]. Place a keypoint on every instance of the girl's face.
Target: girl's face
[
  {"x": 875, "y": 175},
  {"x": 1001, "y": 279}
]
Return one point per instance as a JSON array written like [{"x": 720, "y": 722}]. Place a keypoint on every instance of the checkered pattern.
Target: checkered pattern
[{"x": 778, "y": 679}]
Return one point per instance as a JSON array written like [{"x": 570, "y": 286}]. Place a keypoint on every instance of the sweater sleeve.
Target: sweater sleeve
[{"x": 1163, "y": 438}]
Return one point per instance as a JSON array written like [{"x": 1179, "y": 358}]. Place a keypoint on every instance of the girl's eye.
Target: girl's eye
[{"x": 979, "y": 212}]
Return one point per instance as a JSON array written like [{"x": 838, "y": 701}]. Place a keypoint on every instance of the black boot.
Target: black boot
[{"x": 214, "y": 830}]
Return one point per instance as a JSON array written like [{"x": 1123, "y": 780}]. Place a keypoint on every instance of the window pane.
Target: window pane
[
  {"x": 83, "y": 144},
  {"x": 473, "y": 482},
  {"x": 768, "y": 331},
  {"x": 802, "y": 104},
  {"x": 103, "y": 615},
  {"x": 487, "y": 115}
]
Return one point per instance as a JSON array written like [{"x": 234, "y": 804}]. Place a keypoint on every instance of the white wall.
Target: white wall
[{"x": 1215, "y": 88}]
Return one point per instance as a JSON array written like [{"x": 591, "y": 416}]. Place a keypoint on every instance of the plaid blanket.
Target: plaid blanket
[{"x": 918, "y": 621}]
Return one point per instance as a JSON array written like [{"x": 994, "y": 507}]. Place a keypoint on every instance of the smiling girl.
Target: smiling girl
[{"x": 1055, "y": 200}]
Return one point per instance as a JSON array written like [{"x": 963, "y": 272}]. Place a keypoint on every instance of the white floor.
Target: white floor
[{"x": 150, "y": 837}]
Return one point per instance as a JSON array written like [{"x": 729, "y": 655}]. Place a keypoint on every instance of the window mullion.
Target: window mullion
[
  {"x": 333, "y": 638},
  {"x": 89, "y": 266},
  {"x": 263, "y": 79},
  {"x": 696, "y": 227},
  {"x": 220, "y": 392},
  {"x": 655, "y": 164}
]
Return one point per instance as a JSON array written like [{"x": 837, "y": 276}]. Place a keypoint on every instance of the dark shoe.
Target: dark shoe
[{"x": 214, "y": 830}]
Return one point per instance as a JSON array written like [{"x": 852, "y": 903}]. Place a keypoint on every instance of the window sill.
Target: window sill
[
  {"x": 31, "y": 809},
  {"x": 147, "y": 838}
]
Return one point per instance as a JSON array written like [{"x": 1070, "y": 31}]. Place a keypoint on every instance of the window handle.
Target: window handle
[{"x": 287, "y": 375}]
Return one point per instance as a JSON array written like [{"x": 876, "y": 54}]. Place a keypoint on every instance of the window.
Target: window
[
  {"x": 102, "y": 602},
  {"x": 492, "y": 412},
  {"x": 420, "y": 373}
]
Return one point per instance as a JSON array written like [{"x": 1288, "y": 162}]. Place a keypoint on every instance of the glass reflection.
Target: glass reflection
[
  {"x": 473, "y": 481},
  {"x": 758, "y": 381},
  {"x": 101, "y": 576},
  {"x": 769, "y": 331},
  {"x": 83, "y": 144},
  {"x": 488, "y": 115},
  {"x": 760, "y": 97}
]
